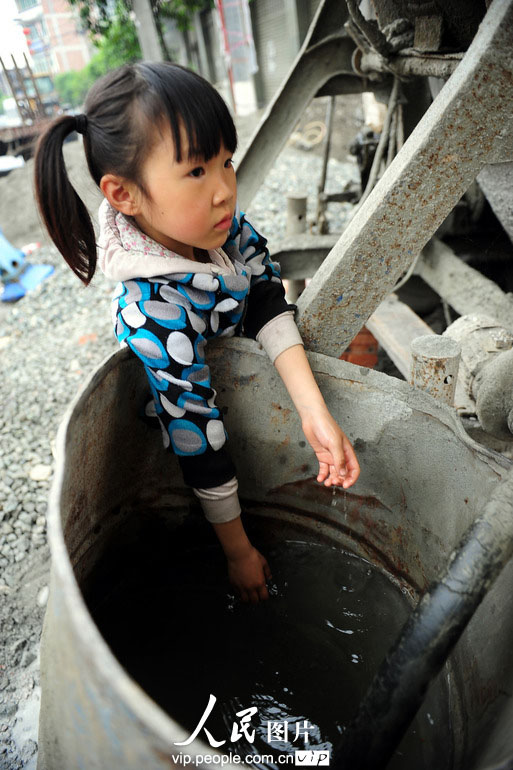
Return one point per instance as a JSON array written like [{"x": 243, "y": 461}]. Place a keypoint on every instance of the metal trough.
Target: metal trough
[{"x": 423, "y": 483}]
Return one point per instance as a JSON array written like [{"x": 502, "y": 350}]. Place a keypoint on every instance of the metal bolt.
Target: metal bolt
[{"x": 503, "y": 339}]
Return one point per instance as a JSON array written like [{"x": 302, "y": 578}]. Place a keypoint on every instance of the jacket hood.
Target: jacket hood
[{"x": 124, "y": 252}]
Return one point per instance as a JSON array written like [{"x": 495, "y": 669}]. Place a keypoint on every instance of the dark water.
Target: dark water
[{"x": 301, "y": 661}]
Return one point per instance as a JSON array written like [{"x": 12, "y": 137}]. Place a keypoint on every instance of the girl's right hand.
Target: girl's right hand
[
  {"x": 249, "y": 572},
  {"x": 338, "y": 465}
]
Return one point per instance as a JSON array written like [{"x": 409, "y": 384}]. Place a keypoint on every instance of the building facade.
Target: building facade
[{"x": 55, "y": 40}]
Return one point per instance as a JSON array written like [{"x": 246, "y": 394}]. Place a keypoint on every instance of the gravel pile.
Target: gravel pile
[{"x": 49, "y": 342}]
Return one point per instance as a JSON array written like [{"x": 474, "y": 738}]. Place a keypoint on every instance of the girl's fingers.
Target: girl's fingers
[
  {"x": 341, "y": 474},
  {"x": 352, "y": 464},
  {"x": 263, "y": 593},
  {"x": 336, "y": 450},
  {"x": 335, "y": 479},
  {"x": 323, "y": 471},
  {"x": 351, "y": 477}
]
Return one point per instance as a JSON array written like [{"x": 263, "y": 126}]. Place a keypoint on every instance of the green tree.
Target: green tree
[
  {"x": 115, "y": 37},
  {"x": 118, "y": 45},
  {"x": 97, "y": 18},
  {"x": 182, "y": 11},
  {"x": 72, "y": 87}
]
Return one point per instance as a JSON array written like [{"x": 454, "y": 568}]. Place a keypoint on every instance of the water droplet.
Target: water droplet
[{"x": 342, "y": 630}]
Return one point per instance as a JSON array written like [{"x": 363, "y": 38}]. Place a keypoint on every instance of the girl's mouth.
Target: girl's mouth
[{"x": 224, "y": 224}]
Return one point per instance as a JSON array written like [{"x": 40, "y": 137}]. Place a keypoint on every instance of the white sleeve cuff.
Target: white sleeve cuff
[
  {"x": 279, "y": 334},
  {"x": 220, "y": 504}
]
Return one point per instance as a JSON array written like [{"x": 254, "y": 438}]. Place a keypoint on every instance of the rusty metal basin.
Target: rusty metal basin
[{"x": 423, "y": 482}]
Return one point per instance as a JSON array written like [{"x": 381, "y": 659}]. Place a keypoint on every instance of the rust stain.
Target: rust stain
[
  {"x": 242, "y": 380},
  {"x": 281, "y": 415},
  {"x": 364, "y": 520}
]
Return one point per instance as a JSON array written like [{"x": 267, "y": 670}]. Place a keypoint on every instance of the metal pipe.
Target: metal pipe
[
  {"x": 38, "y": 100},
  {"x": 13, "y": 90},
  {"x": 21, "y": 83},
  {"x": 435, "y": 362},
  {"x": 400, "y": 127},
  {"x": 296, "y": 225},
  {"x": 327, "y": 144},
  {"x": 322, "y": 203},
  {"x": 428, "y": 637},
  {"x": 407, "y": 65},
  {"x": 380, "y": 149},
  {"x": 391, "y": 150},
  {"x": 370, "y": 31},
  {"x": 466, "y": 289}
]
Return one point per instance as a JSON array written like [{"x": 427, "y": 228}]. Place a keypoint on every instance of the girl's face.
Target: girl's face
[{"x": 188, "y": 204}]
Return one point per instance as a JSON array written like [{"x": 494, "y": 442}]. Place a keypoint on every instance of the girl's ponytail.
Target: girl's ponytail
[{"x": 64, "y": 214}]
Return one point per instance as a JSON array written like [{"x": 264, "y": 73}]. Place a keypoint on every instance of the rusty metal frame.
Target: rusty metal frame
[{"x": 463, "y": 130}]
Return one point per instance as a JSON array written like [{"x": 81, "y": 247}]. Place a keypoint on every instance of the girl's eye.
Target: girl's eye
[
  {"x": 199, "y": 171},
  {"x": 229, "y": 163}
]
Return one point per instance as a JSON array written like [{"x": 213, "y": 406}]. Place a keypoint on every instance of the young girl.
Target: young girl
[{"x": 159, "y": 142}]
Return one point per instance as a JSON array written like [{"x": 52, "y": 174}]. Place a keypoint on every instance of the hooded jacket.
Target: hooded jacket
[{"x": 166, "y": 308}]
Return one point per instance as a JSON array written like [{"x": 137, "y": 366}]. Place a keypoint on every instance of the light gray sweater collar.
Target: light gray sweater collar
[{"x": 124, "y": 252}]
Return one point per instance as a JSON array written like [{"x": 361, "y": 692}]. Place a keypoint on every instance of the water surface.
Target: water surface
[{"x": 299, "y": 662}]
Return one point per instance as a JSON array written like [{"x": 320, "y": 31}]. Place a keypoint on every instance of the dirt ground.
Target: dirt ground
[
  {"x": 19, "y": 217},
  {"x": 347, "y": 121},
  {"x": 22, "y": 606}
]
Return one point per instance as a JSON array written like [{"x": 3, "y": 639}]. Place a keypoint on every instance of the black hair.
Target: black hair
[{"x": 125, "y": 110}]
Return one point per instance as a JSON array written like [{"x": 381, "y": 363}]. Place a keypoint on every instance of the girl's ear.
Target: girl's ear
[{"x": 121, "y": 194}]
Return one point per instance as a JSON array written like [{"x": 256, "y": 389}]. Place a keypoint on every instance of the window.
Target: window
[{"x": 24, "y": 5}]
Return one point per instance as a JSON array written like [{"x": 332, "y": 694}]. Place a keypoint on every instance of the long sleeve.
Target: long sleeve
[
  {"x": 269, "y": 318},
  {"x": 160, "y": 324},
  {"x": 220, "y": 503}
]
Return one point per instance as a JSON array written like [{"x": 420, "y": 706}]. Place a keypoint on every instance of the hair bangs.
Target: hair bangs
[
  {"x": 208, "y": 125},
  {"x": 187, "y": 101}
]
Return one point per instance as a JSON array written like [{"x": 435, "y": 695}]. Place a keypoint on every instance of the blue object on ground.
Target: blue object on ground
[
  {"x": 31, "y": 277},
  {"x": 11, "y": 260}
]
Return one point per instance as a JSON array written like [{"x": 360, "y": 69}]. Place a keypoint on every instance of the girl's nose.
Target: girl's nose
[{"x": 223, "y": 192}]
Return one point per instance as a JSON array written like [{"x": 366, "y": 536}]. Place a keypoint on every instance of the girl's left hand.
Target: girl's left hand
[{"x": 338, "y": 465}]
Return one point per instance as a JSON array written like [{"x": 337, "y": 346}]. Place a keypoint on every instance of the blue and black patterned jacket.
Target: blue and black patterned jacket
[{"x": 166, "y": 308}]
